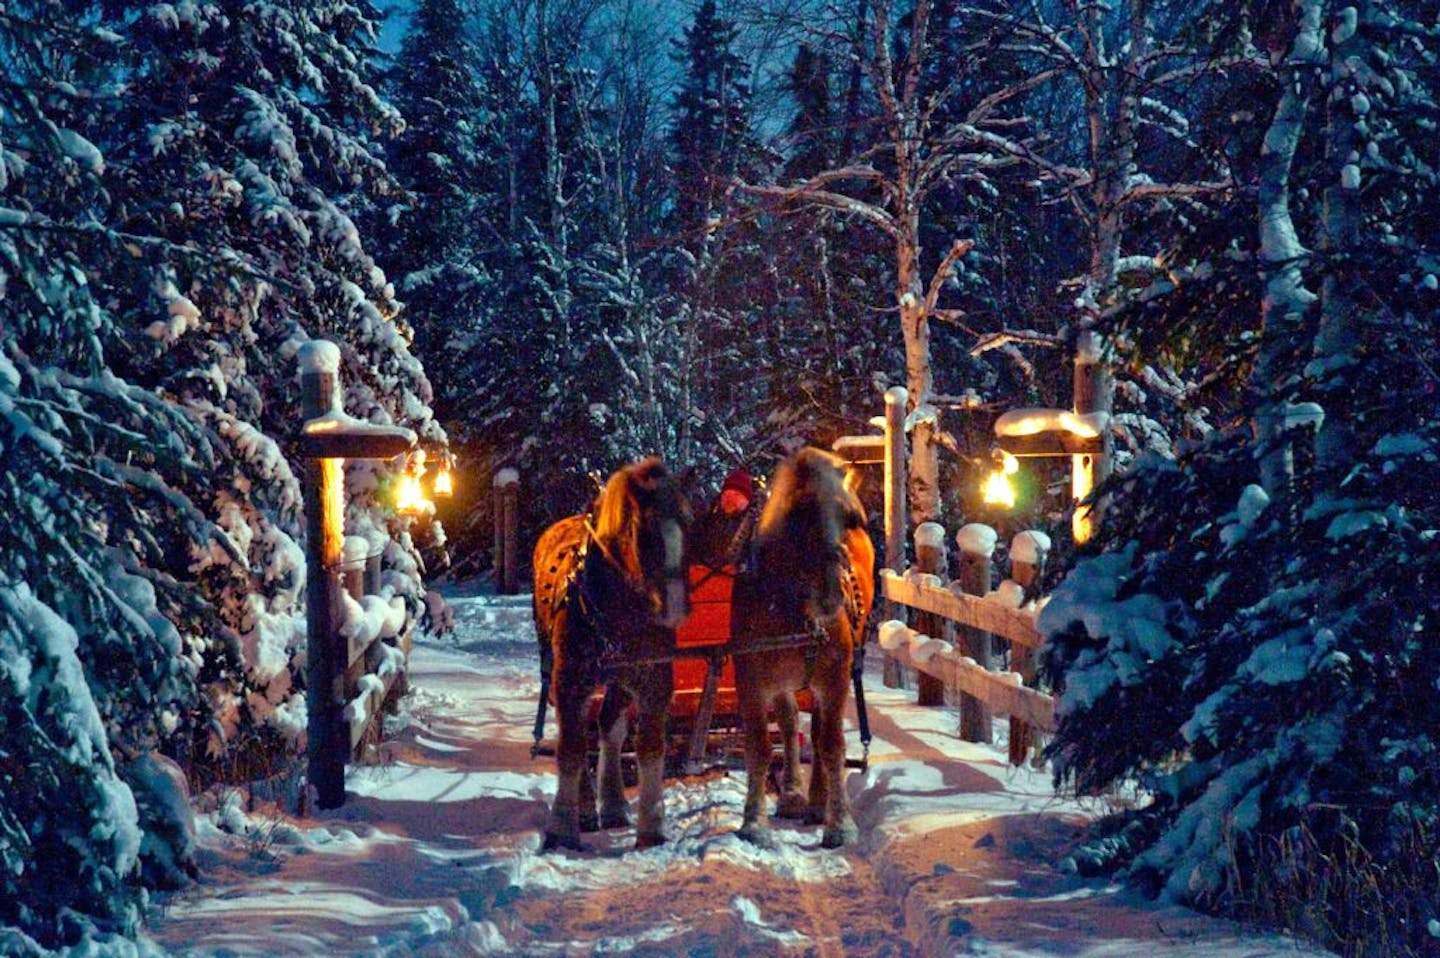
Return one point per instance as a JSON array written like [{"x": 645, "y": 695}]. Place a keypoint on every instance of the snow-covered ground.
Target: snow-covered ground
[{"x": 436, "y": 850}]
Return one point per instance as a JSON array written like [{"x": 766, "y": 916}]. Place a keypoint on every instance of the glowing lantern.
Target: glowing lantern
[
  {"x": 410, "y": 497},
  {"x": 444, "y": 485},
  {"x": 998, "y": 491}
]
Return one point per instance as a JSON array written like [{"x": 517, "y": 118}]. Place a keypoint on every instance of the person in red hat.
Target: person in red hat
[{"x": 719, "y": 536}]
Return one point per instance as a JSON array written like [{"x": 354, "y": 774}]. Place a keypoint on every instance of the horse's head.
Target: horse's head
[
  {"x": 803, "y": 530},
  {"x": 640, "y": 522}
]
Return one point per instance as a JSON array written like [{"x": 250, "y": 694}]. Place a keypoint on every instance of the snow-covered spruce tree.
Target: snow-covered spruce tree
[
  {"x": 94, "y": 677},
  {"x": 578, "y": 366},
  {"x": 735, "y": 273},
  {"x": 1262, "y": 627},
  {"x": 434, "y": 241},
  {"x": 245, "y": 145},
  {"x": 710, "y": 136}
]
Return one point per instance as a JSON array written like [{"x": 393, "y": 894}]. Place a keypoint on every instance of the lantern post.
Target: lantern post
[{"x": 327, "y": 438}]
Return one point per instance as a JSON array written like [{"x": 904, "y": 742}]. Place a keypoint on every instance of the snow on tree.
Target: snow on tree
[
  {"x": 433, "y": 241},
  {"x": 1259, "y": 628},
  {"x": 92, "y": 669},
  {"x": 180, "y": 192},
  {"x": 266, "y": 171}
]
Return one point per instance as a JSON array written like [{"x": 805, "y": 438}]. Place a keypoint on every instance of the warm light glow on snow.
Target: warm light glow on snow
[{"x": 997, "y": 488}]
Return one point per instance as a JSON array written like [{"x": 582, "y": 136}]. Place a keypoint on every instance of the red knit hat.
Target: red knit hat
[{"x": 740, "y": 481}]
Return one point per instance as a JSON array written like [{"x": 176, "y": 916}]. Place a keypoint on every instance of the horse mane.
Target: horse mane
[
  {"x": 810, "y": 473},
  {"x": 616, "y": 523}
]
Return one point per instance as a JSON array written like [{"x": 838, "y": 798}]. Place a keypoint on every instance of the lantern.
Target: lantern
[
  {"x": 444, "y": 485},
  {"x": 997, "y": 488},
  {"x": 410, "y": 496}
]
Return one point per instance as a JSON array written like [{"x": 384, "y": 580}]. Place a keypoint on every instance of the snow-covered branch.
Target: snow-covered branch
[
  {"x": 826, "y": 198},
  {"x": 1005, "y": 337}
]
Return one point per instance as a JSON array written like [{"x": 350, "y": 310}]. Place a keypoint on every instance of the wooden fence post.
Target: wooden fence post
[
  {"x": 373, "y": 555},
  {"x": 355, "y": 551},
  {"x": 895, "y": 521},
  {"x": 977, "y": 543},
  {"x": 1029, "y": 552},
  {"x": 930, "y": 558},
  {"x": 505, "y": 506},
  {"x": 326, "y": 439}
]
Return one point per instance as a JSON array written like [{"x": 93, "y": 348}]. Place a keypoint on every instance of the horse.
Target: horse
[
  {"x": 610, "y": 589},
  {"x": 799, "y": 612}
]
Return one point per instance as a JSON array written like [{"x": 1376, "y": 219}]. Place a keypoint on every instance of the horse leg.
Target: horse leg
[
  {"x": 653, "y": 688},
  {"x": 791, "y": 803},
  {"x": 613, "y": 728},
  {"x": 755, "y": 827},
  {"x": 829, "y": 764},
  {"x": 563, "y": 831}
]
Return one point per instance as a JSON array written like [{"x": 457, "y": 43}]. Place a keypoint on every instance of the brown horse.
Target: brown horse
[
  {"x": 799, "y": 613},
  {"x": 609, "y": 591}
]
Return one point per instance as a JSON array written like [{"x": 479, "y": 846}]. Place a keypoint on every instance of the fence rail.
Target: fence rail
[
  {"x": 1004, "y": 692},
  {"x": 978, "y": 612},
  {"x": 983, "y": 689}
]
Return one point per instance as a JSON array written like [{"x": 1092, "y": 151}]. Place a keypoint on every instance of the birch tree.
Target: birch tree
[{"x": 885, "y": 185}]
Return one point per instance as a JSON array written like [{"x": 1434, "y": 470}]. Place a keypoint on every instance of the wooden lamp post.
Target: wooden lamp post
[
  {"x": 1082, "y": 433},
  {"x": 327, "y": 439}
]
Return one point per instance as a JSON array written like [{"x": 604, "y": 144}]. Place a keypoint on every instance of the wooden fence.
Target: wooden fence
[
  {"x": 962, "y": 617},
  {"x": 955, "y": 622}
]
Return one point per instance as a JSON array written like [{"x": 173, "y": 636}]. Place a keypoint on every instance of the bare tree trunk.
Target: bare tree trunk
[
  {"x": 558, "y": 226},
  {"x": 924, "y": 491}
]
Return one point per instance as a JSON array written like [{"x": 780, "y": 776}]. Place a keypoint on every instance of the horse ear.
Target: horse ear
[{"x": 689, "y": 481}]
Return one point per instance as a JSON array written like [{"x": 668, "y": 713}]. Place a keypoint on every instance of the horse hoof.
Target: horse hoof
[
  {"x": 813, "y": 815},
  {"x": 590, "y": 823},
  {"x": 554, "y": 840},
  {"x": 644, "y": 840},
  {"x": 792, "y": 805},
  {"x": 615, "y": 818},
  {"x": 759, "y": 837},
  {"x": 840, "y": 836}
]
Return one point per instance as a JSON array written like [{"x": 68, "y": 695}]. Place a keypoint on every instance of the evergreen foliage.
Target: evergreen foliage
[
  {"x": 710, "y": 136},
  {"x": 178, "y": 208},
  {"x": 1269, "y": 652}
]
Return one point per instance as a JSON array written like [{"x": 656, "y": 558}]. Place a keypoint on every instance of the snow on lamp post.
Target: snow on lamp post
[{"x": 327, "y": 438}]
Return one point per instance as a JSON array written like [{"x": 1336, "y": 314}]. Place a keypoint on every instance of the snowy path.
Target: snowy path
[{"x": 436, "y": 850}]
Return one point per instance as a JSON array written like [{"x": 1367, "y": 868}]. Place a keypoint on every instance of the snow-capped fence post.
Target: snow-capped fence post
[
  {"x": 977, "y": 543},
  {"x": 506, "y": 502},
  {"x": 356, "y": 550},
  {"x": 1029, "y": 552},
  {"x": 327, "y": 438},
  {"x": 930, "y": 559},
  {"x": 895, "y": 523}
]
